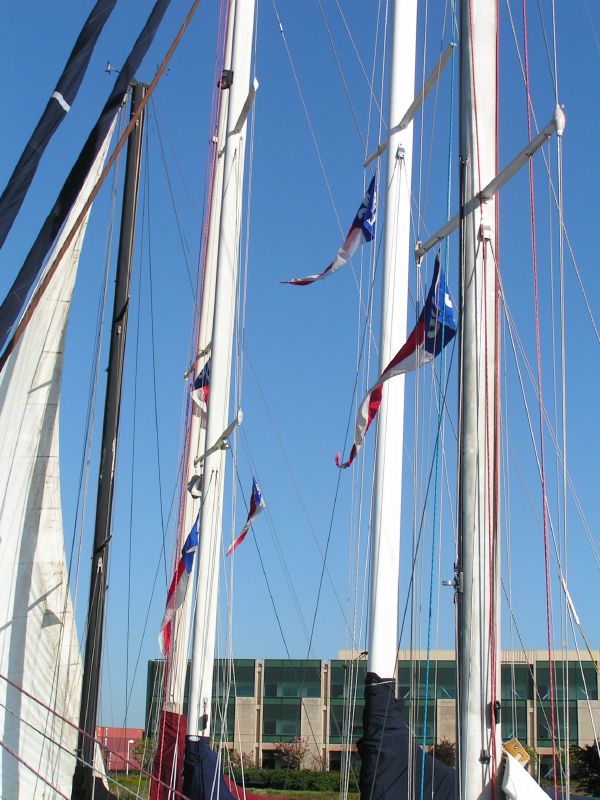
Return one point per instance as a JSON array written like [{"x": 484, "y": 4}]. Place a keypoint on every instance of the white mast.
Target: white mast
[
  {"x": 175, "y": 685},
  {"x": 478, "y": 740},
  {"x": 385, "y": 535},
  {"x": 205, "y": 618}
]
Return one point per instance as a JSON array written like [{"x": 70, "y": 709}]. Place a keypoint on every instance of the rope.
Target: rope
[
  {"x": 540, "y": 391},
  {"x": 43, "y": 284}
]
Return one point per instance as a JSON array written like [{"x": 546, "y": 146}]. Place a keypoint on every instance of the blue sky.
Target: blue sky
[{"x": 301, "y": 344}]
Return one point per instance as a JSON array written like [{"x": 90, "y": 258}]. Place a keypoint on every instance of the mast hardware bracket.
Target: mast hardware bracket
[
  {"x": 400, "y": 153},
  {"x": 485, "y": 232},
  {"x": 555, "y": 126},
  {"x": 226, "y": 81},
  {"x": 416, "y": 104},
  {"x": 484, "y": 757},
  {"x": 222, "y": 442},
  {"x": 497, "y": 712}
]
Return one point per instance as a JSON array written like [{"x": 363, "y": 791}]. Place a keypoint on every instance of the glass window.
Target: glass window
[
  {"x": 412, "y": 680},
  {"x": 341, "y": 717},
  {"x": 517, "y": 683},
  {"x": 300, "y": 678},
  {"x": 544, "y": 722},
  {"x": 281, "y": 720},
  {"x": 223, "y": 725},
  {"x": 414, "y": 715},
  {"x": 578, "y": 683},
  {"x": 347, "y": 679},
  {"x": 514, "y": 720}
]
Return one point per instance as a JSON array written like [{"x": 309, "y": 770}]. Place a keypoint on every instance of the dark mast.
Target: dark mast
[{"x": 85, "y": 783}]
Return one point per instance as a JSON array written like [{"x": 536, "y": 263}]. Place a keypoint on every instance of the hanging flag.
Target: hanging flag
[
  {"x": 435, "y": 327},
  {"x": 178, "y": 587},
  {"x": 361, "y": 230},
  {"x": 257, "y": 504},
  {"x": 56, "y": 110},
  {"x": 200, "y": 389}
]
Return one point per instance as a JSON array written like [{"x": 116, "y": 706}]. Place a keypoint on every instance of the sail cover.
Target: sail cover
[
  {"x": 389, "y": 759},
  {"x": 56, "y": 110},
  {"x": 38, "y": 640},
  {"x": 17, "y": 295}
]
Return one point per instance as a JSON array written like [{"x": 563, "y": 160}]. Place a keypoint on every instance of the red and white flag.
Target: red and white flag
[
  {"x": 257, "y": 504},
  {"x": 435, "y": 327},
  {"x": 178, "y": 588},
  {"x": 362, "y": 230}
]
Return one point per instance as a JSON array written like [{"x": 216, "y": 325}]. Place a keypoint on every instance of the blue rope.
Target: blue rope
[{"x": 437, "y": 453}]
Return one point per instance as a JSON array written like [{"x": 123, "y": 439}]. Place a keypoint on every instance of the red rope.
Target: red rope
[
  {"x": 33, "y": 770},
  {"x": 541, "y": 413},
  {"x": 72, "y": 725}
]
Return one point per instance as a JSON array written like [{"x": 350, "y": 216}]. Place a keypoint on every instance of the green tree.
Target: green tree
[
  {"x": 444, "y": 751},
  {"x": 585, "y": 768},
  {"x": 143, "y": 752}
]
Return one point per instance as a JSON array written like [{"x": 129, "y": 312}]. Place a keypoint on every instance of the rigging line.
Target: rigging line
[
  {"x": 372, "y": 95},
  {"x": 68, "y": 722},
  {"x": 84, "y": 472},
  {"x": 43, "y": 284},
  {"x": 590, "y": 19},
  {"x": 160, "y": 126},
  {"x": 342, "y": 77},
  {"x": 312, "y": 133},
  {"x": 553, "y": 77},
  {"x": 32, "y": 769},
  {"x": 185, "y": 248},
  {"x": 275, "y": 609},
  {"x": 294, "y": 480},
  {"x": 514, "y": 333},
  {"x": 153, "y": 361}
]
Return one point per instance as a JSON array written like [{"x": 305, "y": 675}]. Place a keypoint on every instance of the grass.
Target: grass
[{"x": 127, "y": 787}]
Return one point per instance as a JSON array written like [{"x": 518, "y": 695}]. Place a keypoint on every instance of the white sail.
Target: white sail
[{"x": 39, "y": 651}]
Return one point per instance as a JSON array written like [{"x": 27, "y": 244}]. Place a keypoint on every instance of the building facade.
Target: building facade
[{"x": 276, "y": 701}]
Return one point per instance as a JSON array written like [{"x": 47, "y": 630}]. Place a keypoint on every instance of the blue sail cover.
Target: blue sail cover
[
  {"x": 19, "y": 291},
  {"x": 202, "y": 776},
  {"x": 56, "y": 110},
  {"x": 388, "y": 756}
]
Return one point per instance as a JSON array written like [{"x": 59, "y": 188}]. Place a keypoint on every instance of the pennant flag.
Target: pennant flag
[
  {"x": 201, "y": 387},
  {"x": 435, "y": 327},
  {"x": 361, "y": 230},
  {"x": 178, "y": 587},
  {"x": 257, "y": 504}
]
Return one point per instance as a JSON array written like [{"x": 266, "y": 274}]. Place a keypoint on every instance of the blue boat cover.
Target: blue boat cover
[{"x": 386, "y": 751}]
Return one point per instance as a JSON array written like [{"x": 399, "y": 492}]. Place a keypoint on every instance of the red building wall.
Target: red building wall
[{"x": 119, "y": 742}]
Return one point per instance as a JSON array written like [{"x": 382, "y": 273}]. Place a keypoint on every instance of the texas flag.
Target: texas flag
[
  {"x": 257, "y": 504},
  {"x": 200, "y": 389},
  {"x": 361, "y": 230},
  {"x": 178, "y": 587},
  {"x": 435, "y": 327}
]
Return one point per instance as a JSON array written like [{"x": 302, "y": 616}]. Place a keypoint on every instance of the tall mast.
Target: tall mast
[
  {"x": 84, "y": 779},
  {"x": 477, "y": 600},
  {"x": 205, "y": 618},
  {"x": 174, "y": 690},
  {"x": 385, "y": 535}
]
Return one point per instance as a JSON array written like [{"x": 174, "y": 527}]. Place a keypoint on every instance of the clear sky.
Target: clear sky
[{"x": 301, "y": 345}]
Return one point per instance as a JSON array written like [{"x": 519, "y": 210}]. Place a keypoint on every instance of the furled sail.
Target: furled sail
[
  {"x": 39, "y": 652},
  {"x": 56, "y": 110}
]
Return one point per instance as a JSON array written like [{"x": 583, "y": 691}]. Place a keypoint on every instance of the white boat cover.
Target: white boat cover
[
  {"x": 518, "y": 784},
  {"x": 39, "y": 649}
]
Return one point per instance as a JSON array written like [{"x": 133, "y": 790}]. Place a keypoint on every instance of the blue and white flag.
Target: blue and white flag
[
  {"x": 178, "y": 587},
  {"x": 362, "y": 230},
  {"x": 257, "y": 504},
  {"x": 435, "y": 327}
]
